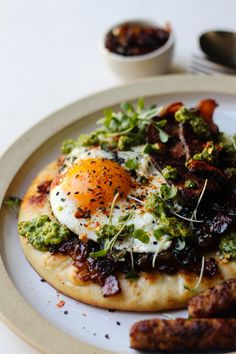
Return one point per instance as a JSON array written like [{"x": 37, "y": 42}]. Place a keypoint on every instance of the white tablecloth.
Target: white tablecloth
[{"x": 49, "y": 56}]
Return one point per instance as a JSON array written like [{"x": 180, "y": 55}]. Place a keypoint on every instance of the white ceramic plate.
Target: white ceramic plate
[{"x": 27, "y": 304}]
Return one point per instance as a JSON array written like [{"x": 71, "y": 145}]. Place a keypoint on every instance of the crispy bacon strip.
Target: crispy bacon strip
[
  {"x": 218, "y": 301},
  {"x": 184, "y": 335}
]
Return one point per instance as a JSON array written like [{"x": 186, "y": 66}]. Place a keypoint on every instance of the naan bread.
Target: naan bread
[{"x": 151, "y": 292}]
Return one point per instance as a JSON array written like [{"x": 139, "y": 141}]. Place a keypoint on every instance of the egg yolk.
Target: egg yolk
[{"x": 93, "y": 183}]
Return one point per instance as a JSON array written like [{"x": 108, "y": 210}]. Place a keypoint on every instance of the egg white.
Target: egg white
[{"x": 64, "y": 207}]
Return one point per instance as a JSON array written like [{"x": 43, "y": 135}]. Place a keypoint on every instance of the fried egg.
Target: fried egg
[{"x": 82, "y": 194}]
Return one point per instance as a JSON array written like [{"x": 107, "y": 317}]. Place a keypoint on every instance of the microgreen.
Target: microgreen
[
  {"x": 193, "y": 290},
  {"x": 123, "y": 129},
  {"x": 136, "y": 199},
  {"x": 132, "y": 164},
  {"x": 194, "y": 214},
  {"x": 164, "y": 137},
  {"x": 185, "y": 218},
  {"x": 13, "y": 203},
  {"x": 109, "y": 244},
  {"x": 141, "y": 235},
  {"x": 168, "y": 192},
  {"x": 159, "y": 248},
  {"x": 159, "y": 232},
  {"x": 112, "y": 209}
]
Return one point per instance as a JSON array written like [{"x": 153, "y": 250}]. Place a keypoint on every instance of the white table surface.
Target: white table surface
[{"x": 49, "y": 57}]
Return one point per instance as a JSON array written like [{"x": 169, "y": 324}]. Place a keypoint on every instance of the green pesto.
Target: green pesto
[
  {"x": 125, "y": 143},
  {"x": 160, "y": 205},
  {"x": 155, "y": 205},
  {"x": 228, "y": 245},
  {"x": 199, "y": 126},
  {"x": 170, "y": 173},
  {"x": 42, "y": 232},
  {"x": 89, "y": 140},
  {"x": 173, "y": 227},
  {"x": 190, "y": 184},
  {"x": 209, "y": 154}
]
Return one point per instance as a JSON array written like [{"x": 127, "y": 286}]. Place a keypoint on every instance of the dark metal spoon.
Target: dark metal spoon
[{"x": 220, "y": 46}]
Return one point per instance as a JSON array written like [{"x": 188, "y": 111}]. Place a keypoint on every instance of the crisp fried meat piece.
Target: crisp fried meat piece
[
  {"x": 219, "y": 301},
  {"x": 184, "y": 335}
]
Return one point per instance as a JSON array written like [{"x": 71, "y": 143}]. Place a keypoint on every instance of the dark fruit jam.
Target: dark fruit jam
[{"x": 132, "y": 39}]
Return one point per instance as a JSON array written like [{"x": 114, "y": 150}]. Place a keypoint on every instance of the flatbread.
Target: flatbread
[{"x": 150, "y": 292}]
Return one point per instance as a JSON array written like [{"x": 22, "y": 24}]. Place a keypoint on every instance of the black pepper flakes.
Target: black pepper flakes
[
  {"x": 118, "y": 323},
  {"x": 57, "y": 193},
  {"x": 43, "y": 280},
  {"x": 107, "y": 336},
  {"x": 66, "y": 312}
]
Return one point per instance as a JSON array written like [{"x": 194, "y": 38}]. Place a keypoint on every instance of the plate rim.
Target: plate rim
[{"x": 15, "y": 312}]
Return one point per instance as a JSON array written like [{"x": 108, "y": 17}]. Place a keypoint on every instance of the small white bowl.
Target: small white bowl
[{"x": 153, "y": 63}]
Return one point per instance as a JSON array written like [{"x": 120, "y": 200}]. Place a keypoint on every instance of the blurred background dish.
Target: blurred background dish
[
  {"x": 220, "y": 47},
  {"x": 138, "y": 48}
]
